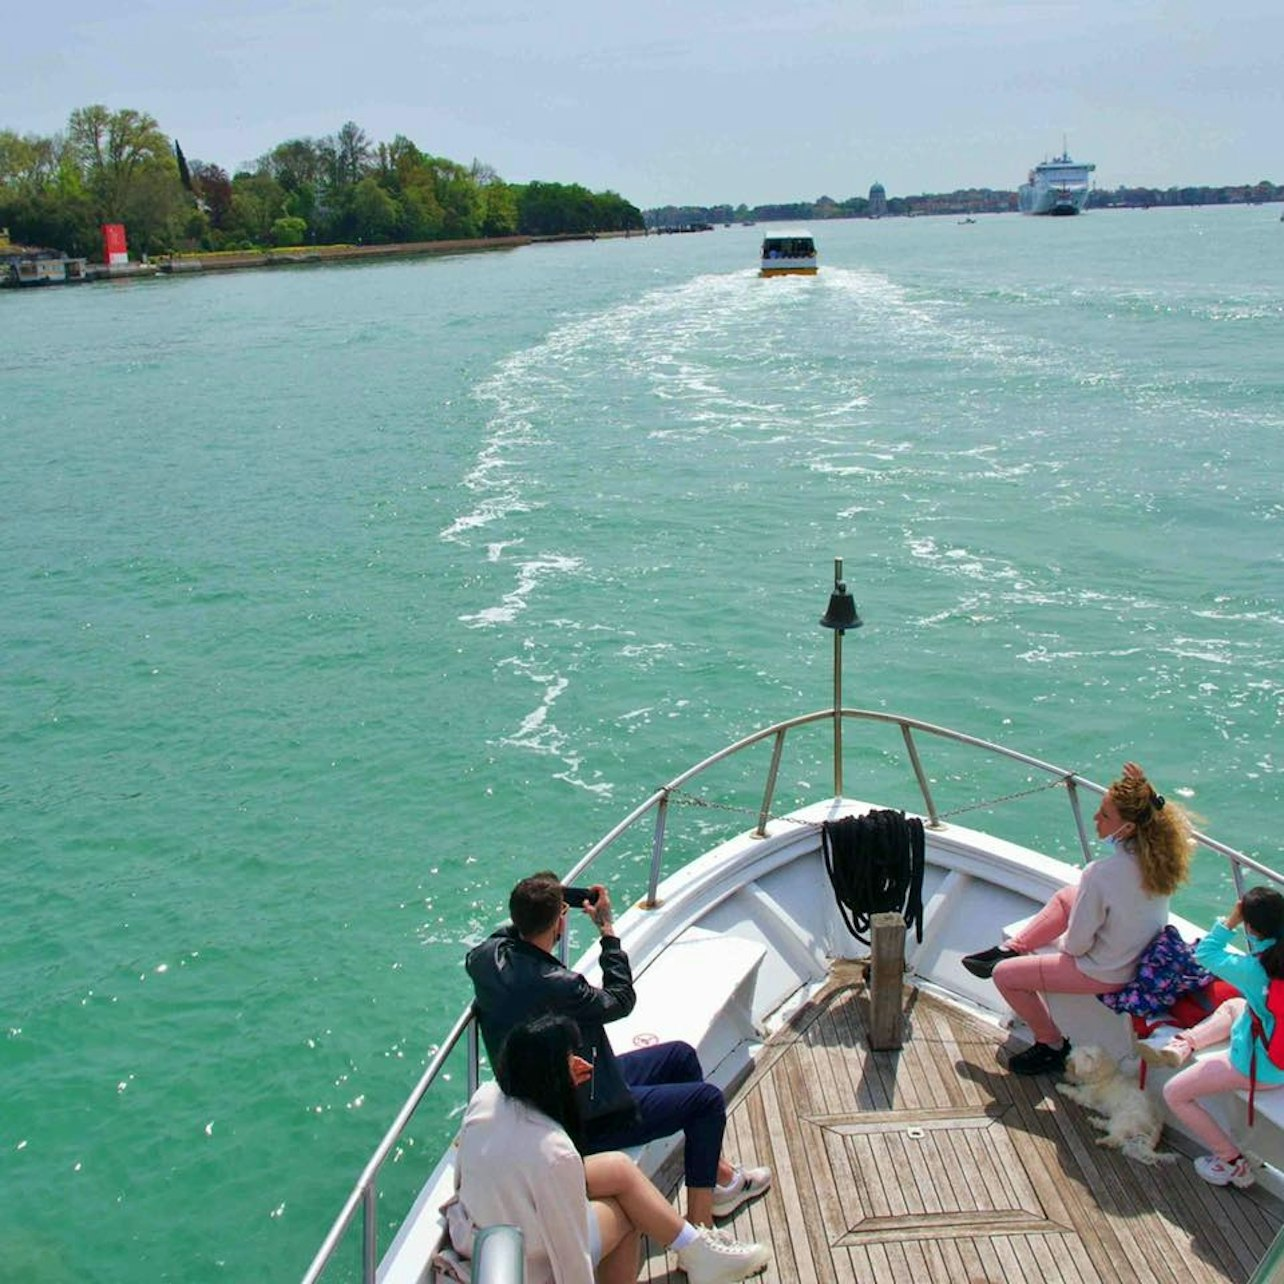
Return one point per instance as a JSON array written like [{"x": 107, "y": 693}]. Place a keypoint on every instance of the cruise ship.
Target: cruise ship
[{"x": 1057, "y": 186}]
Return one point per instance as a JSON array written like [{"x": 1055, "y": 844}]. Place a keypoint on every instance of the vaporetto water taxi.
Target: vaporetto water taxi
[{"x": 789, "y": 254}]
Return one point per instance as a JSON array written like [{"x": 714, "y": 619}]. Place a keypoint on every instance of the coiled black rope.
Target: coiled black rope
[{"x": 875, "y": 866}]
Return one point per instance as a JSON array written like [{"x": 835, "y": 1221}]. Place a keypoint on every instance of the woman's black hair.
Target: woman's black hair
[
  {"x": 1263, "y": 911},
  {"x": 534, "y": 1067}
]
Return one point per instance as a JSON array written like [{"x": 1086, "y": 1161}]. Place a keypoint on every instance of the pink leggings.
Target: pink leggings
[
  {"x": 1024, "y": 981},
  {"x": 1212, "y": 1074}
]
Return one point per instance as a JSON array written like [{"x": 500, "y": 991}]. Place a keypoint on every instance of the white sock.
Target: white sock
[{"x": 687, "y": 1235}]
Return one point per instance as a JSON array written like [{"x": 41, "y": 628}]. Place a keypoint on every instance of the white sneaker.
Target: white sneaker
[
  {"x": 716, "y": 1258},
  {"x": 746, "y": 1184},
  {"x": 1220, "y": 1173}
]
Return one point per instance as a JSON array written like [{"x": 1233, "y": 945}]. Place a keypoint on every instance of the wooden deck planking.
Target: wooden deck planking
[{"x": 1001, "y": 1181}]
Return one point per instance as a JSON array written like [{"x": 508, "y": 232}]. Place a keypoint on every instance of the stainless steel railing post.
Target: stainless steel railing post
[
  {"x": 657, "y": 849},
  {"x": 769, "y": 792},
  {"x": 474, "y": 1056},
  {"x": 934, "y": 820},
  {"x": 369, "y": 1234},
  {"x": 1085, "y": 846}
]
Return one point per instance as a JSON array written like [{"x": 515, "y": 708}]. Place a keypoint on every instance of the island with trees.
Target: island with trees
[{"x": 344, "y": 189}]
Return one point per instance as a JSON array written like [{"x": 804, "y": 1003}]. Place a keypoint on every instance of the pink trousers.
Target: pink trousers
[
  {"x": 1024, "y": 981},
  {"x": 1212, "y": 1074}
]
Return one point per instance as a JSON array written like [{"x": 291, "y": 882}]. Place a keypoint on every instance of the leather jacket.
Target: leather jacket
[{"x": 514, "y": 981}]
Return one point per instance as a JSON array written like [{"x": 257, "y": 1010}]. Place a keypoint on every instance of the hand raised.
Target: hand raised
[{"x": 599, "y": 910}]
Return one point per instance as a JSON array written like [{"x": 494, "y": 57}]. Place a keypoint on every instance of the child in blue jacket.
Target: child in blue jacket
[{"x": 1249, "y": 1023}]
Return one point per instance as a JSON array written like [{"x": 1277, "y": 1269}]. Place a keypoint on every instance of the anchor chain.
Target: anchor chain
[
  {"x": 693, "y": 800},
  {"x": 1003, "y": 798}
]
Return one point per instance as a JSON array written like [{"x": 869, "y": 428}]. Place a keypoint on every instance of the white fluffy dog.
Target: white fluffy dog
[{"x": 1130, "y": 1119}]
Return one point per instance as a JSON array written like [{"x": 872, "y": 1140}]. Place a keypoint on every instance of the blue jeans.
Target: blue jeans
[{"x": 668, "y": 1085}]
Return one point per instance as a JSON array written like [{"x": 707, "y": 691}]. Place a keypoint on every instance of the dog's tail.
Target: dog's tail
[{"x": 1143, "y": 1150}]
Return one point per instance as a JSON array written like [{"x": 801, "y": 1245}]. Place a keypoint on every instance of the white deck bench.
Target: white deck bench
[{"x": 699, "y": 990}]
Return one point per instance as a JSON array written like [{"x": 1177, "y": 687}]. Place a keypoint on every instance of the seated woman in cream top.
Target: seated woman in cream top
[{"x": 518, "y": 1165}]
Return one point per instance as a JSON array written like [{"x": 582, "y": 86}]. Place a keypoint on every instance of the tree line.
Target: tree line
[
  {"x": 118, "y": 167},
  {"x": 974, "y": 200}
]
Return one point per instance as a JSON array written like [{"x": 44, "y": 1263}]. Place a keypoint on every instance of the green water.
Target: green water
[{"x": 332, "y": 600}]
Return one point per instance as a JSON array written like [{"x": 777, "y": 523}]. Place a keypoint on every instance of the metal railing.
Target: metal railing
[{"x": 364, "y": 1195}]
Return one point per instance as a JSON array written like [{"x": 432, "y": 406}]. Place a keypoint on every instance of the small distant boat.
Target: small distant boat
[
  {"x": 1059, "y": 186},
  {"x": 26, "y": 267},
  {"x": 963, "y": 222},
  {"x": 789, "y": 254}
]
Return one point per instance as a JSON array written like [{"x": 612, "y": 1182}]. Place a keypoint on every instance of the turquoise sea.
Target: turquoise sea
[{"x": 332, "y": 600}]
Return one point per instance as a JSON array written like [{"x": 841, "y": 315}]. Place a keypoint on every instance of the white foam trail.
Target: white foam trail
[
  {"x": 540, "y": 735},
  {"x": 530, "y": 574}
]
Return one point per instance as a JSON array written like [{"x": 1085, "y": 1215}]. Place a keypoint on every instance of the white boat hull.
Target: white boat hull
[
  {"x": 1051, "y": 200},
  {"x": 746, "y": 933},
  {"x": 729, "y": 946}
]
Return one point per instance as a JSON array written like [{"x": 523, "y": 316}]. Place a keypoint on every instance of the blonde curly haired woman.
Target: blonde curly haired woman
[{"x": 1105, "y": 922}]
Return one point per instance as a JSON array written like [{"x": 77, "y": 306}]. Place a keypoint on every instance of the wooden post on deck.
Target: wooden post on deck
[{"x": 886, "y": 972}]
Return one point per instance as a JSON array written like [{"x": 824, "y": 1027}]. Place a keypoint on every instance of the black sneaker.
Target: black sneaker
[
  {"x": 1040, "y": 1058},
  {"x": 982, "y": 964}
]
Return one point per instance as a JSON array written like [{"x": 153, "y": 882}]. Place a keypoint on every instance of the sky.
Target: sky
[{"x": 691, "y": 102}]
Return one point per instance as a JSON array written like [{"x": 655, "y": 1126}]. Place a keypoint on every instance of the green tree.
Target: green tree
[
  {"x": 289, "y": 231},
  {"x": 257, "y": 202},
  {"x": 422, "y": 217},
  {"x": 154, "y": 208},
  {"x": 353, "y": 154},
  {"x": 294, "y": 164},
  {"x": 114, "y": 150},
  {"x": 548, "y": 209},
  {"x": 461, "y": 200},
  {"x": 49, "y": 219},
  {"x": 375, "y": 215},
  {"x": 407, "y": 175},
  {"x": 500, "y": 212},
  {"x": 499, "y": 202},
  {"x": 28, "y": 164},
  {"x": 612, "y": 213}
]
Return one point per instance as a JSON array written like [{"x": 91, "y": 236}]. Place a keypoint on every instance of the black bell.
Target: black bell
[{"x": 842, "y": 610}]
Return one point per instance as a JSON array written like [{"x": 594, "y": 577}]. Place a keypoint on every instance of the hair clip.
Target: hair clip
[{"x": 1156, "y": 801}]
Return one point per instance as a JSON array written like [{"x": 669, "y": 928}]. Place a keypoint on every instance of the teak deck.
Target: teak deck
[{"x": 934, "y": 1164}]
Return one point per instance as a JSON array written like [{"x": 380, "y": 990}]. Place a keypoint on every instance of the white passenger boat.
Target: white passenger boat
[
  {"x": 928, "y": 1161},
  {"x": 1059, "y": 186},
  {"x": 789, "y": 254}
]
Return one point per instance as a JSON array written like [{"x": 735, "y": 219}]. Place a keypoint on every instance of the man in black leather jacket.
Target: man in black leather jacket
[{"x": 627, "y": 1100}]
